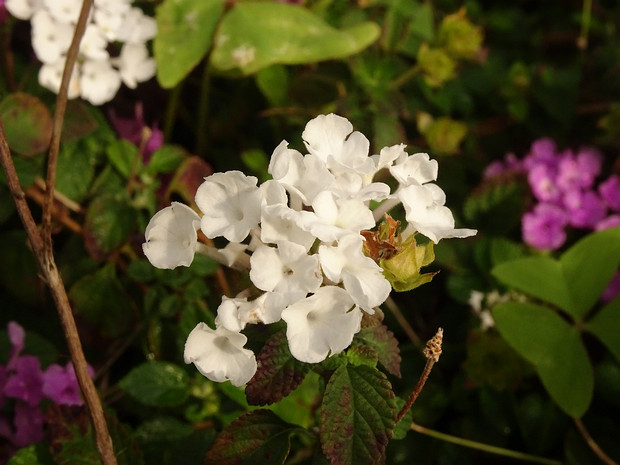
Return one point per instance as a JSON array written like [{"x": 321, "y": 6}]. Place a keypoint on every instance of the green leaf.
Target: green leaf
[
  {"x": 540, "y": 277},
  {"x": 184, "y": 34},
  {"x": 34, "y": 454},
  {"x": 589, "y": 266},
  {"x": 278, "y": 373},
  {"x": 256, "y": 437},
  {"x": 254, "y": 35},
  {"x": 76, "y": 170},
  {"x": 403, "y": 269},
  {"x": 357, "y": 415},
  {"x": 100, "y": 298},
  {"x": 273, "y": 84},
  {"x": 554, "y": 347},
  {"x": 383, "y": 342},
  {"x": 124, "y": 156},
  {"x": 109, "y": 222},
  {"x": 157, "y": 384},
  {"x": 27, "y": 123},
  {"x": 605, "y": 325},
  {"x": 166, "y": 159},
  {"x": 575, "y": 282}
]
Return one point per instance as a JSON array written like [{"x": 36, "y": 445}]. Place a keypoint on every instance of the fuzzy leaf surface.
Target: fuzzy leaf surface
[
  {"x": 357, "y": 415},
  {"x": 278, "y": 373},
  {"x": 158, "y": 384},
  {"x": 256, "y": 437},
  {"x": 383, "y": 342}
]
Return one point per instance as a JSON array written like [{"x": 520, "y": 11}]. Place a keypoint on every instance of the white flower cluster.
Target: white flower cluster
[
  {"x": 299, "y": 233},
  {"x": 97, "y": 76}
]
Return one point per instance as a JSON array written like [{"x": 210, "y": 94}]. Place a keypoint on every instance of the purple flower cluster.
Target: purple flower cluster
[
  {"x": 23, "y": 387},
  {"x": 564, "y": 186}
]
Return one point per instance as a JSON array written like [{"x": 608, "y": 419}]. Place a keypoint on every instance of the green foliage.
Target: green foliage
[
  {"x": 357, "y": 415},
  {"x": 157, "y": 384},
  {"x": 27, "y": 123},
  {"x": 260, "y": 34}
]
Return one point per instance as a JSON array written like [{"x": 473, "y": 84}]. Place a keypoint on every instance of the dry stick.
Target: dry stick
[
  {"x": 592, "y": 443},
  {"x": 432, "y": 351},
  {"x": 42, "y": 245},
  {"x": 54, "y": 281}
]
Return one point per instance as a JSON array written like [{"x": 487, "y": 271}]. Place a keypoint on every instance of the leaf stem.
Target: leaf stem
[
  {"x": 483, "y": 447},
  {"x": 432, "y": 351},
  {"x": 600, "y": 453}
]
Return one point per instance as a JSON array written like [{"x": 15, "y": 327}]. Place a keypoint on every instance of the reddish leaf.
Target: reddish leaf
[
  {"x": 383, "y": 342},
  {"x": 27, "y": 123},
  {"x": 278, "y": 373}
]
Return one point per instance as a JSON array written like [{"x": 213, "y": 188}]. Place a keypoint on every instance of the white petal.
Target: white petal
[
  {"x": 322, "y": 324},
  {"x": 417, "y": 168},
  {"x": 219, "y": 354}
]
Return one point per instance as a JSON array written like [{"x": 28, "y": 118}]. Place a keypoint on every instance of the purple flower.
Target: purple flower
[
  {"x": 542, "y": 152},
  {"x": 585, "y": 209},
  {"x": 28, "y": 424},
  {"x": 542, "y": 179},
  {"x": 578, "y": 172},
  {"x": 24, "y": 380},
  {"x": 611, "y": 221},
  {"x": 60, "y": 384},
  {"x": 543, "y": 228},
  {"x": 510, "y": 164},
  {"x": 135, "y": 130},
  {"x": 609, "y": 191}
]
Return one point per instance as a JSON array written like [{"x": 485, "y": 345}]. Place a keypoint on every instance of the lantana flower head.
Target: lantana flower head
[{"x": 301, "y": 236}]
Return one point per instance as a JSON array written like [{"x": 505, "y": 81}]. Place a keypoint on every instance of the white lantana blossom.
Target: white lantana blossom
[
  {"x": 301, "y": 237},
  {"x": 97, "y": 75}
]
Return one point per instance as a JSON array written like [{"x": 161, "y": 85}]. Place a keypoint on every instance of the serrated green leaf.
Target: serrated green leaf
[
  {"x": 605, "y": 325},
  {"x": 383, "y": 342},
  {"x": 554, "y": 347},
  {"x": 362, "y": 355},
  {"x": 254, "y": 35},
  {"x": 256, "y": 437},
  {"x": 75, "y": 171},
  {"x": 27, "y": 123},
  {"x": 100, "y": 298},
  {"x": 357, "y": 415},
  {"x": 184, "y": 34},
  {"x": 124, "y": 156},
  {"x": 166, "y": 159},
  {"x": 109, "y": 222},
  {"x": 278, "y": 373},
  {"x": 157, "y": 384}
]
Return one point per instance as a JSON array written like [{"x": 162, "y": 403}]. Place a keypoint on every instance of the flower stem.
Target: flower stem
[
  {"x": 483, "y": 447},
  {"x": 600, "y": 453},
  {"x": 432, "y": 351}
]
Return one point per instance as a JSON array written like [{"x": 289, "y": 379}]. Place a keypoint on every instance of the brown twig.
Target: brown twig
[
  {"x": 432, "y": 351},
  {"x": 600, "y": 453},
  {"x": 402, "y": 321},
  {"x": 41, "y": 243}
]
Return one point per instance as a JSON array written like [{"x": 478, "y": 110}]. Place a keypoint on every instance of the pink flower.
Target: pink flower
[
  {"x": 543, "y": 228},
  {"x": 584, "y": 209},
  {"x": 60, "y": 384},
  {"x": 542, "y": 179},
  {"x": 610, "y": 192}
]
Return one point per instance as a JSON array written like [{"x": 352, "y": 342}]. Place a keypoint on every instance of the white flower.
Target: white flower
[
  {"x": 304, "y": 176},
  {"x": 50, "y": 76},
  {"x": 362, "y": 278},
  {"x": 136, "y": 27},
  {"x": 94, "y": 43},
  {"x": 285, "y": 269},
  {"x": 321, "y": 325},
  {"x": 99, "y": 82},
  {"x": 281, "y": 223},
  {"x": 50, "y": 38},
  {"x": 219, "y": 354},
  {"x": 414, "y": 169},
  {"x": 425, "y": 211},
  {"x": 331, "y": 139},
  {"x": 231, "y": 205},
  {"x": 64, "y": 11},
  {"x": 135, "y": 65},
  {"x": 23, "y": 9},
  {"x": 171, "y": 237},
  {"x": 333, "y": 217}
]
